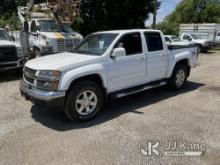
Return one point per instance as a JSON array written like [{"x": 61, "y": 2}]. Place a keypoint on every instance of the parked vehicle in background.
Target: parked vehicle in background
[
  {"x": 203, "y": 44},
  {"x": 174, "y": 40},
  {"x": 206, "y": 31},
  {"x": 44, "y": 32},
  {"x": 48, "y": 37},
  {"x": 11, "y": 53},
  {"x": 112, "y": 63}
]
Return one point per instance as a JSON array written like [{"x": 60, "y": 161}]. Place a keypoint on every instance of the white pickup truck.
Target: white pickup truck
[
  {"x": 110, "y": 63},
  {"x": 203, "y": 44}
]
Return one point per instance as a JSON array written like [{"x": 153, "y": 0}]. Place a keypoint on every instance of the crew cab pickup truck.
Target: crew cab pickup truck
[
  {"x": 110, "y": 63},
  {"x": 11, "y": 53}
]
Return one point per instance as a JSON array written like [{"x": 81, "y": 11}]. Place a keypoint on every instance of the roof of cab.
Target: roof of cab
[
  {"x": 169, "y": 36},
  {"x": 128, "y": 31}
]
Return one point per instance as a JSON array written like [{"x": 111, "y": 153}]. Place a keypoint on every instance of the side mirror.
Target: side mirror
[
  {"x": 26, "y": 26},
  {"x": 118, "y": 52}
]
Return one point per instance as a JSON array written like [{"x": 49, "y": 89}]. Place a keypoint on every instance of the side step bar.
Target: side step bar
[{"x": 137, "y": 89}]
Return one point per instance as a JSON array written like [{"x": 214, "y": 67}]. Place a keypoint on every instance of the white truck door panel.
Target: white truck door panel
[
  {"x": 129, "y": 70},
  {"x": 157, "y": 57},
  {"x": 33, "y": 34}
]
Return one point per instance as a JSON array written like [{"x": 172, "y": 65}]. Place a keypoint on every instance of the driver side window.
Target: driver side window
[
  {"x": 186, "y": 37},
  {"x": 131, "y": 43},
  {"x": 33, "y": 27},
  {"x": 167, "y": 40}
]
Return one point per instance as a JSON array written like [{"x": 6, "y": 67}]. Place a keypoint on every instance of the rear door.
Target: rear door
[
  {"x": 129, "y": 70},
  {"x": 157, "y": 57}
]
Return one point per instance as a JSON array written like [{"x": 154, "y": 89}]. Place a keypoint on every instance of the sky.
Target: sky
[{"x": 167, "y": 6}]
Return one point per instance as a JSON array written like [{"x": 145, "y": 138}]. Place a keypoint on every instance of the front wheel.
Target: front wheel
[
  {"x": 84, "y": 101},
  {"x": 179, "y": 77}
]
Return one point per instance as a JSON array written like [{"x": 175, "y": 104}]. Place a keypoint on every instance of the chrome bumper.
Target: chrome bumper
[
  {"x": 29, "y": 91},
  {"x": 12, "y": 64}
]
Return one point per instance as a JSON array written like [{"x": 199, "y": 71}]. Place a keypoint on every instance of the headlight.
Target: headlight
[
  {"x": 48, "y": 80},
  {"x": 47, "y": 85},
  {"x": 49, "y": 74}
]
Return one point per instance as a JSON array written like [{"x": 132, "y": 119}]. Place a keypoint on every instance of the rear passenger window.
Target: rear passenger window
[
  {"x": 131, "y": 43},
  {"x": 154, "y": 41}
]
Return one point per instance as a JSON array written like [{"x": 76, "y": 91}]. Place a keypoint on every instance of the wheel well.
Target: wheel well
[
  {"x": 185, "y": 62},
  {"x": 94, "y": 78},
  {"x": 36, "y": 48}
]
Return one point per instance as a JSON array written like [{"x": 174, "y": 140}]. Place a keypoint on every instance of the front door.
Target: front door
[{"x": 129, "y": 70}]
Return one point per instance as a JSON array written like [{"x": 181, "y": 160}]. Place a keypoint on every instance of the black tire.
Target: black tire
[
  {"x": 179, "y": 68},
  {"x": 75, "y": 92},
  {"x": 200, "y": 48},
  {"x": 19, "y": 70},
  {"x": 37, "y": 53}
]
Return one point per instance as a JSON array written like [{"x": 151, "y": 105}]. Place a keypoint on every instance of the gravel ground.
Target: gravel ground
[{"x": 35, "y": 135}]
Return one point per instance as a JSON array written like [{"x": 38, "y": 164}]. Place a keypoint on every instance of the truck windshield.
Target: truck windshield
[
  {"x": 4, "y": 35},
  {"x": 96, "y": 44},
  {"x": 48, "y": 26},
  {"x": 65, "y": 28},
  {"x": 175, "y": 39}
]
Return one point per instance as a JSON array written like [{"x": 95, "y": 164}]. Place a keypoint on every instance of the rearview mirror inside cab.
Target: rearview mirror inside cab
[{"x": 118, "y": 52}]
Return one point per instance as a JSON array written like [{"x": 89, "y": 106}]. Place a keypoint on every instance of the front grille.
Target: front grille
[
  {"x": 61, "y": 45},
  {"x": 8, "y": 53},
  {"x": 29, "y": 75},
  {"x": 28, "y": 79}
]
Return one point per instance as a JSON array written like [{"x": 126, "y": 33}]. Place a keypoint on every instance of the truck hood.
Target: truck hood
[
  {"x": 181, "y": 43},
  {"x": 61, "y": 35},
  {"x": 9, "y": 43},
  {"x": 202, "y": 41},
  {"x": 61, "y": 62}
]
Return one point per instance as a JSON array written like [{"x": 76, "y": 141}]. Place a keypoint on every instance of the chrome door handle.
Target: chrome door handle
[{"x": 162, "y": 55}]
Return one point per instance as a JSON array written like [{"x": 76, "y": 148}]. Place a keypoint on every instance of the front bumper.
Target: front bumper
[
  {"x": 50, "y": 99},
  {"x": 12, "y": 64}
]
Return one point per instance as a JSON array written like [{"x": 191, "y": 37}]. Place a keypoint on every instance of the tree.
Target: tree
[
  {"x": 97, "y": 15},
  {"x": 191, "y": 11},
  {"x": 8, "y": 12}
]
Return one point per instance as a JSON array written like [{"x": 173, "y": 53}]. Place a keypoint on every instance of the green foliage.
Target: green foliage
[
  {"x": 8, "y": 12},
  {"x": 191, "y": 11},
  {"x": 97, "y": 15}
]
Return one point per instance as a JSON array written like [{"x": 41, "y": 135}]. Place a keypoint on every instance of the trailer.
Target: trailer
[{"x": 208, "y": 31}]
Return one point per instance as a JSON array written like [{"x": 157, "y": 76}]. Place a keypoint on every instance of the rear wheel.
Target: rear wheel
[
  {"x": 84, "y": 101},
  {"x": 179, "y": 77}
]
